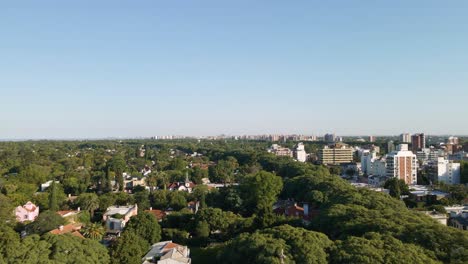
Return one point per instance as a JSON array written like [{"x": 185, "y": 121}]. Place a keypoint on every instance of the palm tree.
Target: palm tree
[
  {"x": 89, "y": 202},
  {"x": 152, "y": 180},
  {"x": 164, "y": 179},
  {"x": 94, "y": 231}
]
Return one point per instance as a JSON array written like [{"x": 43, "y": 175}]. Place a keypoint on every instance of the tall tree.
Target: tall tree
[
  {"x": 118, "y": 165},
  {"x": 94, "y": 231},
  {"x": 396, "y": 187},
  {"x": 129, "y": 248},
  {"x": 146, "y": 226},
  {"x": 53, "y": 197},
  {"x": 6, "y": 211},
  {"x": 257, "y": 248},
  {"x": 260, "y": 191},
  {"x": 89, "y": 202}
]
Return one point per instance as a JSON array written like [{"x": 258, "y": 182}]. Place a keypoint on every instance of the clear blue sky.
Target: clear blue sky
[{"x": 141, "y": 68}]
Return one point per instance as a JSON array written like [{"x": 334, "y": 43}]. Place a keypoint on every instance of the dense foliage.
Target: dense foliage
[{"x": 234, "y": 224}]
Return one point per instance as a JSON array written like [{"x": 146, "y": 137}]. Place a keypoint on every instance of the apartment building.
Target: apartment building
[
  {"x": 402, "y": 164},
  {"x": 336, "y": 154}
]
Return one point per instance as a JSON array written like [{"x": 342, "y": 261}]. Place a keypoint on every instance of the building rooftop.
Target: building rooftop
[
  {"x": 123, "y": 210},
  {"x": 68, "y": 229},
  {"x": 168, "y": 250}
]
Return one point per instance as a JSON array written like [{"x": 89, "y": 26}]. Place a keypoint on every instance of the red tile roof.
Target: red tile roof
[
  {"x": 170, "y": 245},
  {"x": 159, "y": 214},
  {"x": 68, "y": 229}
]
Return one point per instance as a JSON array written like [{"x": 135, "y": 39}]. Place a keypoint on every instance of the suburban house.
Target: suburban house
[
  {"x": 292, "y": 209},
  {"x": 116, "y": 217},
  {"x": 72, "y": 229},
  {"x": 70, "y": 215},
  {"x": 46, "y": 185},
  {"x": 132, "y": 182},
  {"x": 27, "y": 212},
  {"x": 159, "y": 214},
  {"x": 167, "y": 252},
  {"x": 186, "y": 186}
]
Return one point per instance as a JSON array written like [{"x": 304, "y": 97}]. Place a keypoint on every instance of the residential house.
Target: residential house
[
  {"x": 166, "y": 252},
  {"x": 70, "y": 215},
  {"x": 159, "y": 214},
  {"x": 186, "y": 186},
  {"x": 292, "y": 209},
  {"x": 46, "y": 185},
  {"x": 27, "y": 212},
  {"x": 73, "y": 229},
  {"x": 116, "y": 217},
  {"x": 131, "y": 182}
]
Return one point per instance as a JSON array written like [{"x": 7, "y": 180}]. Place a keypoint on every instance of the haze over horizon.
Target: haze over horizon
[{"x": 99, "y": 70}]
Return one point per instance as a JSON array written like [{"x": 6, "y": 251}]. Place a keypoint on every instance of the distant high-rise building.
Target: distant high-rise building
[
  {"x": 405, "y": 138},
  {"x": 418, "y": 142},
  {"x": 330, "y": 138},
  {"x": 453, "y": 148},
  {"x": 371, "y": 139},
  {"x": 367, "y": 159},
  {"x": 402, "y": 164},
  {"x": 274, "y": 137},
  {"x": 453, "y": 140},
  {"x": 390, "y": 146},
  {"x": 448, "y": 171},
  {"x": 336, "y": 154}
]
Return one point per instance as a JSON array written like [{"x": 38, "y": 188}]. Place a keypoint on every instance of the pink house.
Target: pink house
[{"x": 27, "y": 212}]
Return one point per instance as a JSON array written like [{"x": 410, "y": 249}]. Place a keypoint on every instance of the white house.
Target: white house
[
  {"x": 116, "y": 217},
  {"x": 46, "y": 185},
  {"x": 166, "y": 252}
]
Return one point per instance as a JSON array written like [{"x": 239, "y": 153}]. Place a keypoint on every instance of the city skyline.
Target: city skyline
[
  {"x": 308, "y": 137},
  {"x": 82, "y": 70}
]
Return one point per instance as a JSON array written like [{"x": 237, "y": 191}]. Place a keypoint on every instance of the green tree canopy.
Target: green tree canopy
[
  {"x": 46, "y": 221},
  {"x": 396, "y": 187},
  {"x": 129, "y": 248},
  {"x": 376, "y": 248},
  {"x": 146, "y": 226},
  {"x": 260, "y": 191},
  {"x": 88, "y": 202}
]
